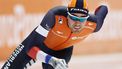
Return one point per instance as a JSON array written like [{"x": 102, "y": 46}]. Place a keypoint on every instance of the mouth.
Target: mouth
[{"x": 77, "y": 27}]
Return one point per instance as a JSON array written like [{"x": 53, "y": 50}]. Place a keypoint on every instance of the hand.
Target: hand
[
  {"x": 61, "y": 64},
  {"x": 58, "y": 63}
]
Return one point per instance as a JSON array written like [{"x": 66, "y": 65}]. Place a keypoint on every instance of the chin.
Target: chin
[{"x": 76, "y": 31}]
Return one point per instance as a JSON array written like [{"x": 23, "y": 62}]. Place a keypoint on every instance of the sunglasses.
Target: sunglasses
[{"x": 76, "y": 18}]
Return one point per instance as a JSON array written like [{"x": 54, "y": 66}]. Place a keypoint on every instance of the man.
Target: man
[{"x": 52, "y": 41}]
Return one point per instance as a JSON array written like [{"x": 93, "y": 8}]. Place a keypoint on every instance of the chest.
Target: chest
[{"x": 61, "y": 35}]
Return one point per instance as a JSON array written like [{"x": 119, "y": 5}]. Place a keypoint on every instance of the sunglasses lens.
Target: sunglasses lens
[{"x": 75, "y": 18}]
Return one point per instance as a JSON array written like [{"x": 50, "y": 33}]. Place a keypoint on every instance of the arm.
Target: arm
[
  {"x": 41, "y": 33},
  {"x": 100, "y": 14}
]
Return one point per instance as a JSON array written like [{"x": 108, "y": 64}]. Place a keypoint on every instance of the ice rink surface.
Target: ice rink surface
[{"x": 106, "y": 61}]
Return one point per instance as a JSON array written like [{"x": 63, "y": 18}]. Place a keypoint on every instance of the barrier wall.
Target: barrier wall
[{"x": 19, "y": 18}]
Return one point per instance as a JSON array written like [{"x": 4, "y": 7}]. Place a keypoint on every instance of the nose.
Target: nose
[{"x": 78, "y": 22}]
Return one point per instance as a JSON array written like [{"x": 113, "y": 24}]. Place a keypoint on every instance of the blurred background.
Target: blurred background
[{"x": 101, "y": 50}]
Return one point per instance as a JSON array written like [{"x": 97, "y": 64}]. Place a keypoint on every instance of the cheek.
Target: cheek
[{"x": 71, "y": 22}]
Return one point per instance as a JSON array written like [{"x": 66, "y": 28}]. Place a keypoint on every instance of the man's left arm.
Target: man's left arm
[{"x": 100, "y": 14}]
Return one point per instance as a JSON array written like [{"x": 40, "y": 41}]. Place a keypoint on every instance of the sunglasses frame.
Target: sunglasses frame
[{"x": 75, "y": 18}]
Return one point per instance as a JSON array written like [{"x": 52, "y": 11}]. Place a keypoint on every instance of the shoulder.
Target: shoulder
[
  {"x": 49, "y": 19},
  {"x": 59, "y": 10}
]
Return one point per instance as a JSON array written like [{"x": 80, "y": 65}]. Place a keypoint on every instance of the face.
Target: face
[{"x": 76, "y": 23}]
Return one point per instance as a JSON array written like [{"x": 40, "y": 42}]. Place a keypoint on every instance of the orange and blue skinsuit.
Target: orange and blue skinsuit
[{"x": 54, "y": 37}]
